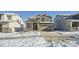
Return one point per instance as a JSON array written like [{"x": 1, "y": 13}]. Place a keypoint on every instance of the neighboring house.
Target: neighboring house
[
  {"x": 10, "y": 22},
  {"x": 41, "y": 22},
  {"x": 67, "y": 22}
]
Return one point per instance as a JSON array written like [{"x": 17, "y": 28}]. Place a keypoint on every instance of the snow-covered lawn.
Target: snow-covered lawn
[
  {"x": 27, "y": 40},
  {"x": 33, "y": 39},
  {"x": 68, "y": 33},
  {"x": 18, "y": 34}
]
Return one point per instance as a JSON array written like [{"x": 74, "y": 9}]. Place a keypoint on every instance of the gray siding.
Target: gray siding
[{"x": 61, "y": 23}]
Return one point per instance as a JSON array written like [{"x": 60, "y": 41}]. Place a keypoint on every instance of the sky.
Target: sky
[{"x": 26, "y": 14}]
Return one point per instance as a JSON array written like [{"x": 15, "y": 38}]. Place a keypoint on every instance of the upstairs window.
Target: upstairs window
[
  {"x": 9, "y": 17},
  {"x": 48, "y": 20},
  {"x": 43, "y": 19},
  {"x": 37, "y": 19}
]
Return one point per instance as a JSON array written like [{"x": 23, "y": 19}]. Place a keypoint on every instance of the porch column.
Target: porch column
[
  {"x": 52, "y": 26},
  {"x": 71, "y": 26},
  {"x": 38, "y": 26},
  {"x": 32, "y": 26},
  {"x": 4, "y": 17}
]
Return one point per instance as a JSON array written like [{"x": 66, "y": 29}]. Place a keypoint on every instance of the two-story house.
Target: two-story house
[
  {"x": 10, "y": 22},
  {"x": 41, "y": 22},
  {"x": 67, "y": 22}
]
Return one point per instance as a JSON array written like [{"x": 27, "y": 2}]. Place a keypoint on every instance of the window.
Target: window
[
  {"x": 37, "y": 19},
  {"x": 9, "y": 17},
  {"x": 48, "y": 19},
  {"x": 43, "y": 19},
  {"x": 0, "y": 17},
  {"x": 29, "y": 25},
  {"x": 75, "y": 24}
]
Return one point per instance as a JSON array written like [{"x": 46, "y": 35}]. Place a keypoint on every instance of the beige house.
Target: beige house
[
  {"x": 67, "y": 22},
  {"x": 10, "y": 22},
  {"x": 41, "y": 22}
]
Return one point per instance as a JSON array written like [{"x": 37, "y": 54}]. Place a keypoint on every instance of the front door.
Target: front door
[
  {"x": 35, "y": 26},
  {"x": 0, "y": 27}
]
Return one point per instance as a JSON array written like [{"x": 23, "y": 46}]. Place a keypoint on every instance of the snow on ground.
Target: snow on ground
[
  {"x": 28, "y": 42},
  {"x": 73, "y": 34},
  {"x": 18, "y": 34},
  {"x": 68, "y": 33},
  {"x": 21, "y": 42},
  {"x": 33, "y": 39},
  {"x": 66, "y": 43}
]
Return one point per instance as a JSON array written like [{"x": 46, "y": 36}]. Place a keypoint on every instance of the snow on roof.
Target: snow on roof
[{"x": 9, "y": 13}]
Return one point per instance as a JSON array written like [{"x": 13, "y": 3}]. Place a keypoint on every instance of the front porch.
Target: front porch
[{"x": 39, "y": 27}]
